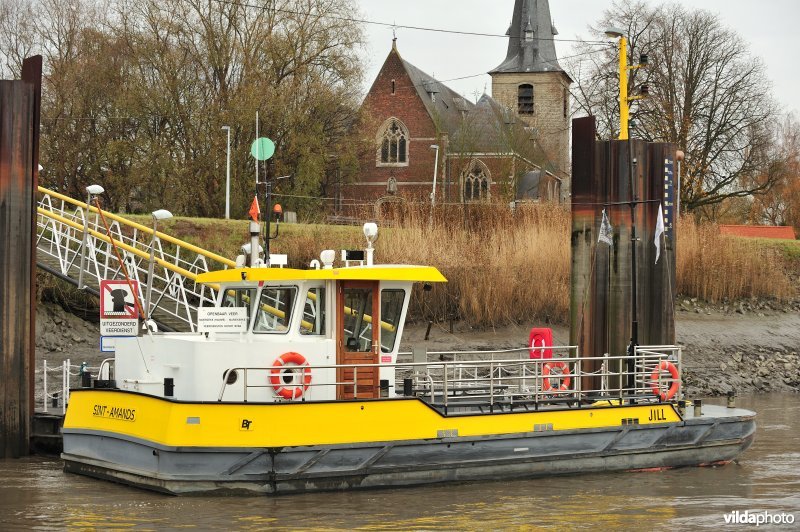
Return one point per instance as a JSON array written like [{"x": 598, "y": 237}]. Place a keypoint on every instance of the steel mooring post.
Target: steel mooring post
[{"x": 19, "y": 163}]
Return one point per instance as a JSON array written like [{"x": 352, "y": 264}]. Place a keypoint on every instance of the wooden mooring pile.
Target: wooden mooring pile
[{"x": 20, "y": 102}]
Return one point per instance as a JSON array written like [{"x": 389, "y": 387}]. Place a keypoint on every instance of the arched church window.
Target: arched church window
[
  {"x": 476, "y": 182},
  {"x": 525, "y": 99},
  {"x": 393, "y": 141}
]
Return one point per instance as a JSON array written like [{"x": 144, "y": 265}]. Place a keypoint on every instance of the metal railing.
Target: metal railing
[
  {"x": 507, "y": 377},
  {"x": 175, "y": 296},
  {"x": 58, "y": 398}
]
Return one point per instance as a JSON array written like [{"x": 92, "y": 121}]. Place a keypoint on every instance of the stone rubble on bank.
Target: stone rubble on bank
[
  {"x": 756, "y": 307},
  {"x": 58, "y": 330},
  {"x": 719, "y": 369},
  {"x": 744, "y": 370}
]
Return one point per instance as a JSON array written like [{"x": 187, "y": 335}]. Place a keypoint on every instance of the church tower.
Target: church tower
[{"x": 531, "y": 82}]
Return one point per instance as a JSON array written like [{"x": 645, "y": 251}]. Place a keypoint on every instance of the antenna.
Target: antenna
[{"x": 257, "y": 154}]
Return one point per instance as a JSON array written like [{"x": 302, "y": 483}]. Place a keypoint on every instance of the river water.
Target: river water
[{"x": 36, "y": 493}]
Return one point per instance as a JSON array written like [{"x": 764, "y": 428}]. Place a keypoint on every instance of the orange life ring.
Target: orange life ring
[
  {"x": 566, "y": 379},
  {"x": 665, "y": 365},
  {"x": 276, "y": 375}
]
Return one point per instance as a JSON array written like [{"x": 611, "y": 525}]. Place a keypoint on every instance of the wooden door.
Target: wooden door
[{"x": 358, "y": 309}]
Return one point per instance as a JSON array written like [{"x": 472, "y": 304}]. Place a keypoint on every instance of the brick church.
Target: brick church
[{"x": 511, "y": 145}]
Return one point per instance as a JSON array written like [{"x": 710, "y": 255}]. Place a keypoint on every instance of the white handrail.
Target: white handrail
[
  {"x": 176, "y": 295},
  {"x": 510, "y": 378}
]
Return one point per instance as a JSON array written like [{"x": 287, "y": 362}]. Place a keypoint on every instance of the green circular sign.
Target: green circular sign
[{"x": 262, "y": 149}]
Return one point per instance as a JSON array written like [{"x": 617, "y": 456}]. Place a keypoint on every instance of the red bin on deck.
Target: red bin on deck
[{"x": 540, "y": 338}]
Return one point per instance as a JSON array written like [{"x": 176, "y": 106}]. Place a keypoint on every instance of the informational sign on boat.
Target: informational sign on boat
[
  {"x": 224, "y": 319},
  {"x": 119, "y": 313},
  {"x": 118, "y": 327}
]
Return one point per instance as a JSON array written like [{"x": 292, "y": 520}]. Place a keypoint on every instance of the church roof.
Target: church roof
[
  {"x": 478, "y": 128},
  {"x": 444, "y": 105},
  {"x": 485, "y": 129},
  {"x": 530, "y": 40}
]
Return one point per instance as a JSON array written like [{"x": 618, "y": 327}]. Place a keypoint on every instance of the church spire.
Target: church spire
[{"x": 530, "y": 39}]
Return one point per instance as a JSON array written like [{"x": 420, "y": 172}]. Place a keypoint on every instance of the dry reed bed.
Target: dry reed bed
[
  {"x": 501, "y": 268},
  {"x": 715, "y": 268}
]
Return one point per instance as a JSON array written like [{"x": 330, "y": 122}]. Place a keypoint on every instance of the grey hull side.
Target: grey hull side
[{"x": 706, "y": 440}]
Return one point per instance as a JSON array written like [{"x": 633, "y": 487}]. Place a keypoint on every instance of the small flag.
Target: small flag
[
  {"x": 254, "y": 209},
  {"x": 606, "y": 231},
  {"x": 659, "y": 231}
]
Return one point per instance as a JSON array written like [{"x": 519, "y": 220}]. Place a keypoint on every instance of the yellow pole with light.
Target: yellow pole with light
[
  {"x": 623, "y": 88},
  {"x": 624, "y": 99}
]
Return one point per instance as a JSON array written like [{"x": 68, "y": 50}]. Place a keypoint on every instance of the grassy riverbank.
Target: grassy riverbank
[{"x": 508, "y": 268}]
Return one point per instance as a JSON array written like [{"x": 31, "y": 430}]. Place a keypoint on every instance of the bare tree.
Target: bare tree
[
  {"x": 781, "y": 204},
  {"x": 707, "y": 94},
  {"x": 17, "y": 35},
  {"x": 136, "y": 92}
]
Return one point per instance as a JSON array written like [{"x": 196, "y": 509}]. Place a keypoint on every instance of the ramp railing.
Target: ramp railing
[{"x": 175, "y": 292}]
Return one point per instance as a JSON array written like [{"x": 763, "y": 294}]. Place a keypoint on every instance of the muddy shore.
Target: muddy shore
[{"x": 744, "y": 347}]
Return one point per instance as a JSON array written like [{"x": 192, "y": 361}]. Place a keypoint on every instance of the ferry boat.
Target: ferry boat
[{"x": 296, "y": 384}]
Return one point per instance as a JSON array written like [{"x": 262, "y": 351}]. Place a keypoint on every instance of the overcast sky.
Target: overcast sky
[{"x": 769, "y": 26}]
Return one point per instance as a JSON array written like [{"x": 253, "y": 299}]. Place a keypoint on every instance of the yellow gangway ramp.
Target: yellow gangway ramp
[{"x": 73, "y": 244}]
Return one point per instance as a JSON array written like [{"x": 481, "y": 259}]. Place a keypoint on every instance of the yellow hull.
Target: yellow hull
[
  {"x": 210, "y": 425},
  {"x": 298, "y": 447}
]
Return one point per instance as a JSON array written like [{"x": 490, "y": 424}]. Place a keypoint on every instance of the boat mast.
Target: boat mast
[
  {"x": 263, "y": 150},
  {"x": 255, "y": 226}
]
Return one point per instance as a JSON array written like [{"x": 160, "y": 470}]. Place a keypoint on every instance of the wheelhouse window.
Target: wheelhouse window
[
  {"x": 313, "y": 321},
  {"x": 274, "y": 310},
  {"x": 393, "y": 144},
  {"x": 240, "y": 297},
  {"x": 391, "y": 312},
  {"x": 476, "y": 182},
  {"x": 525, "y": 99}
]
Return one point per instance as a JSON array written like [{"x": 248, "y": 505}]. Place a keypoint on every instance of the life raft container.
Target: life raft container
[
  {"x": 539, "y": 339},
  {"x": 287, "y": 366},
  {"x": 566, "y": 380},
  {"x": 665, "y": 365}
]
